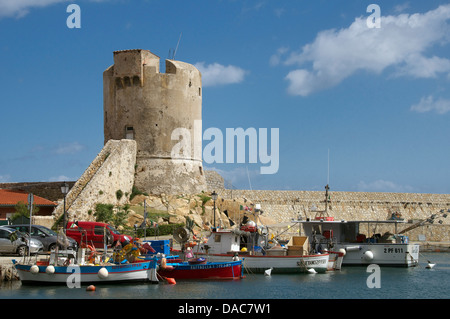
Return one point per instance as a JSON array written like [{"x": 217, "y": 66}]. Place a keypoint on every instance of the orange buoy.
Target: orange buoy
[
  {"x": 90, "y": 288},
  {"x": 171, "y": 281}
]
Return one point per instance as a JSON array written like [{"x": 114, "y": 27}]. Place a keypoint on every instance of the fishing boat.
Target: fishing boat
[
  {"x": 344, "y": 236},
  {"x": 355, "y": 239},
  {"x": 78, "y": 268},
  {"x": 72, "y": 274},
  {"x": 224, "y": 245},
  {"x": 189, "y": 267},
  {"x": 199, "y": 268}
]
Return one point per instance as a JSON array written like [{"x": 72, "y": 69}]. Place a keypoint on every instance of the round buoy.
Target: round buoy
[
  {"x": 342, "y": 250},
  {"x": 368, "y": 255},
  {"x": 34, "y": 269},
  {"x": 50, "y": 270},
  {"x": 90, "y": 288},
  {"x": 103, "y": 273}
]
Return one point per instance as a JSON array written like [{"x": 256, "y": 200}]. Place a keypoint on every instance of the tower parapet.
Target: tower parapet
[{"x": 142, "y": 104}]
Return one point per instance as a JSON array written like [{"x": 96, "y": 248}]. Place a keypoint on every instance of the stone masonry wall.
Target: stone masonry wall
[
  {"x": 283, "y": 206},
  {"x": 112, "y": 170}
]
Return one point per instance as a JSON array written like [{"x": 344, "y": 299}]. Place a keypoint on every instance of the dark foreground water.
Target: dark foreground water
[{"x": 348, "y": 283}]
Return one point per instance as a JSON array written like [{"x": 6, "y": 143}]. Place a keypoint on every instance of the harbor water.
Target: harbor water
[{"x": 348, "y": 283}]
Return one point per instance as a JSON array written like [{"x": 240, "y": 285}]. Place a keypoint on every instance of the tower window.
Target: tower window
[
  {"x": 199, "y": 91},
  {"x": 129, "y": 133},
  {"x": 127, "y": 81},
  {"x": 119, "y": 83},
  {"x": 136, "y": 80}
]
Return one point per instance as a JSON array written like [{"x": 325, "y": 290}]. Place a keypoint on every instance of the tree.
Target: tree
[
  {"x": 120, "y": 218},
  {"x": 104, "y": 213},
  {"x": 21, "y": 210}
]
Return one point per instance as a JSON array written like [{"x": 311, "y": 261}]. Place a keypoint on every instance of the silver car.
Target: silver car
[{"x": 15, "y": 242}]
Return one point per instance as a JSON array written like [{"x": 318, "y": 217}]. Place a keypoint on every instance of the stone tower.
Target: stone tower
[{"x": 153, "y": 108}]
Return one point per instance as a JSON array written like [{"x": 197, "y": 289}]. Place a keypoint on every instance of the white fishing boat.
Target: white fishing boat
[
  {"x": 359, "y": 240},
  {"x": 224, "y": 245},
  {"x": 388, "y": 249}
]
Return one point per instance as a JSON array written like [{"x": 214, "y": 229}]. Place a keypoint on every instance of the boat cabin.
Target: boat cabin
[
  {"x": 359, "y": 231},
  {"x": 223, "y": 241}
]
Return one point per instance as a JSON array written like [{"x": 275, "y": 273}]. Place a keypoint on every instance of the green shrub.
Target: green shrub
[
  {"x": 135, "y": 192},
  {"x": 160, "y": 230}
]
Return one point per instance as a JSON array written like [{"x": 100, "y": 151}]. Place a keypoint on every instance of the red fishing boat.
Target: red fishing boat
[{"x": 199, "y": 268}]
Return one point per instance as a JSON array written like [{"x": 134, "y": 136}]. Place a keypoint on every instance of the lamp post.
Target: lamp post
[
  {"x": 64, "y": 190},
  {"x": 214, "y": 198}
]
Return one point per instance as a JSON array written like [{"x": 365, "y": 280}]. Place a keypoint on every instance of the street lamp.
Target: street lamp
[
  {"x": 64, "y": 190},
  {"x": 214, "y": 198}
]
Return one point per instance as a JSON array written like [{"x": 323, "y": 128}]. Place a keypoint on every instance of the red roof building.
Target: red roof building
[{"x": 10, "y": 198}]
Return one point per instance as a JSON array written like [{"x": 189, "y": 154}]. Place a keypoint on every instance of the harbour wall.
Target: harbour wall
[{"x": 285, "y": 206}]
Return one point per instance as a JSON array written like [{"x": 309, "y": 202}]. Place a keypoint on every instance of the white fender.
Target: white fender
[
  {"x": 50, "y": 270},
  {"x": 34, "y": 269},
  {"x": 103, "y": 273},
  {"x": 368, "y": 255}
]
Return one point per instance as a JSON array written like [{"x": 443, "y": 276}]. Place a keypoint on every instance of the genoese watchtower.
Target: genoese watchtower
[{"x": 150, "y": 107}]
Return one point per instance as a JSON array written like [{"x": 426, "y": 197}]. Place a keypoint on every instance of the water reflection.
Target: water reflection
[{"x": 348, "y": 283}]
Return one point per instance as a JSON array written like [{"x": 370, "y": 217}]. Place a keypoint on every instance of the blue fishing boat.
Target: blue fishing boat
[{"x": 64, "y": 267}]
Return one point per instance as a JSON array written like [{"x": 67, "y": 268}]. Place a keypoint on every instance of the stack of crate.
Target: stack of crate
[{"x": 298, "y": 245}]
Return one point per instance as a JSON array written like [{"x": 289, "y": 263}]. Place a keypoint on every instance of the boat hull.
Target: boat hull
[
  {"x": 382, "y": 254},
  {"x": 87, "y": 274},
  {"x": 335, "y": 261},
  {"x": 210, "y": 270},
  {"x": 280, "y": 264}
]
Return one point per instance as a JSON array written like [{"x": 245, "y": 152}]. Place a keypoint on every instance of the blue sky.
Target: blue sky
[{"x": 377, "y": 100}]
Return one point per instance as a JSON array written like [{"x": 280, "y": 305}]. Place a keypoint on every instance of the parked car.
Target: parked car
[
  {"x": 47, "y": 236},
  {"x": 19, "y": 245},
  {"x": 93, "y": 233}
]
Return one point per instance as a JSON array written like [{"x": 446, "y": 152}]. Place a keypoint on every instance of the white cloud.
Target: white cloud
[
  {"x": 383, "y": 186},
  {"x": 276, "y": 58},
  {"x": 61, "y": 178},
  {"x": 20, "y": 8},
  {"x": 69, "y": 148},
  {"x": 401, "y": 42},
  {"x": 401, "y": 7},
  {"x": 428, "y": 104},
  {"x": 4, "y": 178},
  {"x": 217, "y": 74}
]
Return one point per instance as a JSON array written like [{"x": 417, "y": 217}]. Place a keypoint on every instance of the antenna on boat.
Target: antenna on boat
[
  {"x": 327, "y": 187},
  {"x": 176, "y": 49},
  {"x": 328, "y": 175},
  {"x": 248, "y": 176}
]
